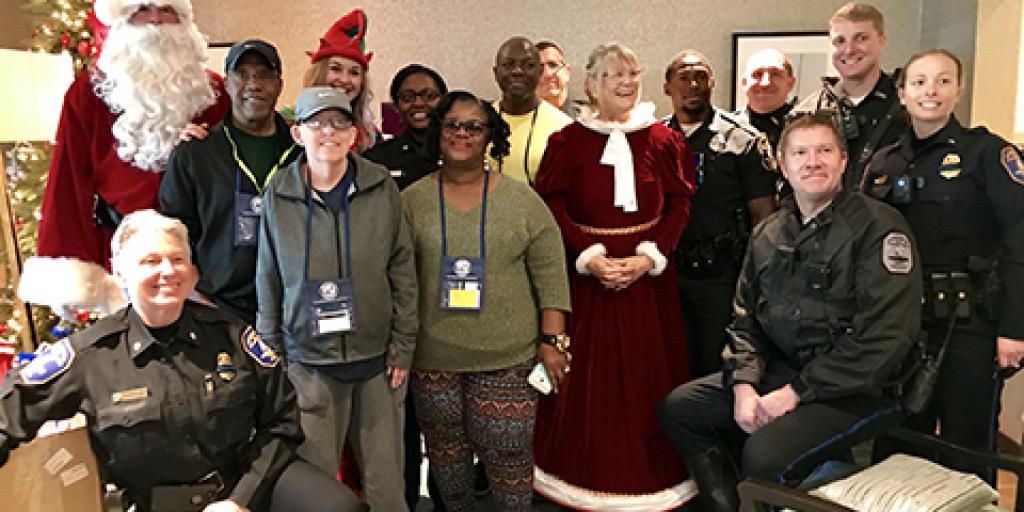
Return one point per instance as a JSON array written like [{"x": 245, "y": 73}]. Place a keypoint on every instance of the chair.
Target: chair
[{"x": 761, "y": 496}]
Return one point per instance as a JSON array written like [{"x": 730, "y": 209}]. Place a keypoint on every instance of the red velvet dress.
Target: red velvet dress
[{"x": 628, "y": 348}]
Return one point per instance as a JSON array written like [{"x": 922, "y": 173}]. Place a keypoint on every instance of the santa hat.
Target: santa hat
[
  {"x": 345, "y": 39},
  {"x": 109, "y": 12}
]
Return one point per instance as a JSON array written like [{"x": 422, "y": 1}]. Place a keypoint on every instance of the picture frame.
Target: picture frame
[
  {"x": 809, "y": 52},
  {"x": 216, "y": 54}
]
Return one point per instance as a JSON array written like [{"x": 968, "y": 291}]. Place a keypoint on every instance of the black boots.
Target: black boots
[{"x": 716, "y": 478}]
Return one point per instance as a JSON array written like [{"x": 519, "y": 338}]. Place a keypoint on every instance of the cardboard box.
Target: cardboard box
[{"x": 56, "y": 473}]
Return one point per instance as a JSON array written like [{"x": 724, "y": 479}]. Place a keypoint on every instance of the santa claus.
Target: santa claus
[{"x": 121, "y": 118}]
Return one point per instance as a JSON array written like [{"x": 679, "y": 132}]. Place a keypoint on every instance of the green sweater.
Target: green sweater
[{"x": 524, "y": 272}]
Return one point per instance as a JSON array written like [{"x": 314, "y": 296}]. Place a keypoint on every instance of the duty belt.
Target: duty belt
[{"x": 187, "y": 497}]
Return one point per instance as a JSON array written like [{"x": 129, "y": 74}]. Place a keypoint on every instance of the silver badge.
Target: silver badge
[
  {"x": 462, "y": 268},
  {"x": 897, "y": 253},
  {"x": 328, "y": 290}
]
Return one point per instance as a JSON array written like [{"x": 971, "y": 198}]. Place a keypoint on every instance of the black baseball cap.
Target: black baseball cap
[{"x": 259, "y": 46}]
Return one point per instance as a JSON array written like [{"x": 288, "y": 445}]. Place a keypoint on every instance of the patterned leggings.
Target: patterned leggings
[{"x": 489, "y": 413}]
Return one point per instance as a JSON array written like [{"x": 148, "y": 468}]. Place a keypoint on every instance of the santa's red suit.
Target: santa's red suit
[{"x": 73, "y": 261}]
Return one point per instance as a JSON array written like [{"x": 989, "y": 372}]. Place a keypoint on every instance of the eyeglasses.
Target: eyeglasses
[
  {"x": 336, "y": 123},
  {"x": 262, "y": 77},
  {"x": 631, "y": 76},
  {"x": 428, "y": 95},
  {"x": 452, "y": 127},
  {"x": 553, "y": 65}
]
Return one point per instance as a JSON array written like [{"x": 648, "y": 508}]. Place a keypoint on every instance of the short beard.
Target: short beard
[{"x": 154, "y": 77}]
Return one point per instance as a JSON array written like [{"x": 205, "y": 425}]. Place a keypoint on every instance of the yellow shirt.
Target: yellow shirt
[{"x": 525, "y": 128}]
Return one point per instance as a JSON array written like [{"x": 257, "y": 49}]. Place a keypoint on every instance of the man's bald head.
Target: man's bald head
[{"x": 768, "y": 80}]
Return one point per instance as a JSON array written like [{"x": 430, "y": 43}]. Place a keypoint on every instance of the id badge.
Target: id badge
[
  {"x": 332, "y": 307},
  {"x": 462, "y": 284},
  {"x": 248, "y": 211}
]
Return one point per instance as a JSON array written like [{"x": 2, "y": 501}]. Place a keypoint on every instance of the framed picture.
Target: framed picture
[
  {"x": 810, "y": 53},
  {"x": 216, "y": 53}
]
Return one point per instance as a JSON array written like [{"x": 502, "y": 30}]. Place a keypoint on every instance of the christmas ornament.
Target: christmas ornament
[
  {"x": 84, "y": 48},
  {"x": 65, "y": 40},
  {"x": 62, "y": 329}
]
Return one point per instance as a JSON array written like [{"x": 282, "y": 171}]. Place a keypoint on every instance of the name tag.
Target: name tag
[
  {"x": 331, "y": 306},
  {"x": 129, "y": 395},
  {"x": 248, "y": 211},
  {"x": 462, "y": 283}
]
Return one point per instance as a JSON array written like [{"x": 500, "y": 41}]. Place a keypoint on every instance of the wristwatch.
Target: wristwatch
[{"x": 559, "y": 341}]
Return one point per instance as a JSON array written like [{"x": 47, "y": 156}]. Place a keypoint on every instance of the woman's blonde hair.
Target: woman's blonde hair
[
  {"x": 362, "y": 111},
  {"x": 598, "y": 63}
]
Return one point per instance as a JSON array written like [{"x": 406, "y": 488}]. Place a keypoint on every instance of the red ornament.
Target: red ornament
[
  {"x": 82, "y": 315},
  {"x": 65, "y": 40},
  {"x": 84, "y": 48},
  {"x": 3, "y": 329}
]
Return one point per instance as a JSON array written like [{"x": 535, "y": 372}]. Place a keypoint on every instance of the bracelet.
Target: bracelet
[{"x": 559, "y": 341}]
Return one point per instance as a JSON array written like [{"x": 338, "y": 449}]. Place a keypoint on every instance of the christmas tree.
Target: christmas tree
[{"x": 61, "y": 26}]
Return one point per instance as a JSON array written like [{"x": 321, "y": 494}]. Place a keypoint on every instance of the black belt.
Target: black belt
[{"x": 187, "y": 497}]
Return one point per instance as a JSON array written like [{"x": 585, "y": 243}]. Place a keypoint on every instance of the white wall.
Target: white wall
[{"x": 459, "y": 38}]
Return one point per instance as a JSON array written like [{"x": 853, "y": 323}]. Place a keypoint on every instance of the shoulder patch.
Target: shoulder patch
[
  {"x": 897, "y": 253},
  {"x": 764, "y": 148},
  {"x": 1011, "y": 160},
  {"x": 50, "y": 362},
  {"x": 258, "y": 349}
]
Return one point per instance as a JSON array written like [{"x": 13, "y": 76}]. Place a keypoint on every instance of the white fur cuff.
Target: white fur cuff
[
  {"x": 59, "y": 282},
  {"x": 587, "y": 255},
  {"x": 651, "y": 251}
]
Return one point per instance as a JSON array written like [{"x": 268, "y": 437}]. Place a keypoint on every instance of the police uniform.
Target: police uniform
[
  {"x": 209, "y": 407},
  {"x": 734, "y": 166},
  {"x": 769, "y": 124},
  {"x": 962, "y": 192},
  {"x": 873, "y": 123},
  {"x": 405, "y": 157},
  {"x": 830, "y": 306}
]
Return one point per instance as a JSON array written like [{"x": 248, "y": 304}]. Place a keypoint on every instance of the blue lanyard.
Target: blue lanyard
[
  {"x": 347, "y": 271},
  {"x": 483, "y": 215}
]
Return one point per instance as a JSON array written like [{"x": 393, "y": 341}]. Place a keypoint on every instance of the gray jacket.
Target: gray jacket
[{"x": 383, "y": 270}]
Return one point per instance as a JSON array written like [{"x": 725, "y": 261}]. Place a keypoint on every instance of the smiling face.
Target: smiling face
[
  {"x": 766, "y": 82},
  {"x": 931, "y": 89},
  {"x": 345, "y": 74},
  {"x": 813, "y": 163},
  {"x": 856, "y": 48},
  {"x": 155, "y": 269},
  {"x": 254, "y": 88},
  {"x": 517, "y": 68},
  {"x": 554, "y": 76},
  {"x": 326, "y": 137},
  {"x": 417, "y": 96},
  {"x": 617, "y": 90},
  {"x": 690, "y": 85},
  {"x": 460, "y": 143}
]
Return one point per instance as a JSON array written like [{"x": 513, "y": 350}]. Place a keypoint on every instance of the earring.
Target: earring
[{"x": 487, "y": 166}]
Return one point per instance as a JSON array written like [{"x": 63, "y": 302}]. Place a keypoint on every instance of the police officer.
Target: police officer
[
  {"x": 767, "y": 83},
  {"x": 962, "y": 191},
  {"x": 735, "y": 191},
  {"x": 826, "y": 308},
  {"x": 214, "y": 185},
  {"x": 187, "y": 407},
  {"x": 863, "y": 98},
  {"x": 415, "y": 91}
]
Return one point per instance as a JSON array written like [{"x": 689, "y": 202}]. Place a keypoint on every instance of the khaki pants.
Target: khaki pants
[{"x": 369, "y": 415}]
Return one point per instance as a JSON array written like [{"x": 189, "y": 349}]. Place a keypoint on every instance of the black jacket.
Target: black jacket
[
  {"x": 199, "y": 189},
  {"x": 214, "y": 398},
  {"x": 837, "y": 300},
  {"x": 406, "y": 159},
  {"x": 966, "y": 198}
]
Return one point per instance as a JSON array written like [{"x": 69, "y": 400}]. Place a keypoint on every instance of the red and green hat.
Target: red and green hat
[{"x": 345, "y": 39}]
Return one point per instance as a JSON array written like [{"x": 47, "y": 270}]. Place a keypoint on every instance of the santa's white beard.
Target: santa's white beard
[{"x": 155, "y": 77}]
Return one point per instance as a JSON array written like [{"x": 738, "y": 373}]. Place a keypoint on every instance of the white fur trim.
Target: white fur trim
[
  {"x": 650, "y": 250},
  {"x": 587, "y": 255},
  {"x": 112, "y": 11},
  {"x": 617, "y": 152},
  {"x": 59, "y": 282},
  {"x": 579, "y": 498}
]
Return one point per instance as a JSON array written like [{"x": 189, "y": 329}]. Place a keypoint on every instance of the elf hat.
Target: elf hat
[{"x": 345, "y": 39}]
